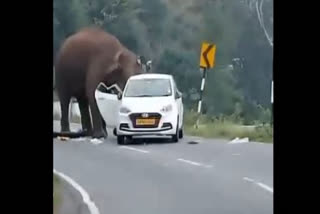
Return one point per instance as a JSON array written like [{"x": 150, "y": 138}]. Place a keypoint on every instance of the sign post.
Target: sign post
[{"x": 207, "y": 57}]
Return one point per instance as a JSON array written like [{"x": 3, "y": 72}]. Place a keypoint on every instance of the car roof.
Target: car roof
[{"x": 151, "y": 76}]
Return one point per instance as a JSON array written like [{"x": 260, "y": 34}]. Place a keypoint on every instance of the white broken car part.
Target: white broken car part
[
  {"x": 96, "y": 141},
  {"x": 238, "y": 140}
]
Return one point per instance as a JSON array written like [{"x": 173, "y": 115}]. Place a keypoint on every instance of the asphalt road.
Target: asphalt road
[
  {"x": 163, "y": 177},
  {"x": 71, "y": 201}
]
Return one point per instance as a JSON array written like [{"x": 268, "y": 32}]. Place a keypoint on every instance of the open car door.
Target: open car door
[{"x": 108, "y": 103}]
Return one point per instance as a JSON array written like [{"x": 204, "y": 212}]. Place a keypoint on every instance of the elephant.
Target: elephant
[{"x": 85, "y": 59}]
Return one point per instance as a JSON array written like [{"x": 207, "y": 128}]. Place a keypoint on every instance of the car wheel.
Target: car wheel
[
  {"x": 181, "y": 133},
  {"x": 175, "y": 138},
  {"x": 115, "y": 131},
  {"x": 129, "y": 139},
  {"x": 121, "y": 140}
]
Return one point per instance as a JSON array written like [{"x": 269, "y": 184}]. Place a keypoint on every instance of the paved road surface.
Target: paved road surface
[
  {"x": 71, "y": 201},
  {"x": 163, "y": 177}
]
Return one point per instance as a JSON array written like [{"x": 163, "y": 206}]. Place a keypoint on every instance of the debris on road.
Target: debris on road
[
  {"x": 79, "y": 139},
  {"x": 96, "y": 141},
  {"x": 239, "y": 140},
  {"x": 63, "y": 138},
  {"x": 193, "y": 142}
]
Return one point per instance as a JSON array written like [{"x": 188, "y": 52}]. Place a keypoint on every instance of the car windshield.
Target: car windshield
[{"x": 148, "y": 88}]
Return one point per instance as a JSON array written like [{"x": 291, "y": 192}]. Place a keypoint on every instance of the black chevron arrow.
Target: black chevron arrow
[{"x": 205, "y": 55}]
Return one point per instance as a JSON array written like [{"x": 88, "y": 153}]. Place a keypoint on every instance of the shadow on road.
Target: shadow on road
[{"x": 142, "y": 141}]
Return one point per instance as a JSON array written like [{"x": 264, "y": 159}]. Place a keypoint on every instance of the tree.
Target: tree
[
  {"x": 172, "y": 37},
  {"x": 221, "y": 94},
  {"x": 185, "y": 72},
  {"x": 152, "y": 14},
  {"x": 68, "y": 17}
]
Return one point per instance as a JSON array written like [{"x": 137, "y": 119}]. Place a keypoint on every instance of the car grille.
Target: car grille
[{"x": 134, "y": 116}]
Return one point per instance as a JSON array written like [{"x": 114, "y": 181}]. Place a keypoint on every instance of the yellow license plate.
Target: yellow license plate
[{"x": 145, "y": 121}]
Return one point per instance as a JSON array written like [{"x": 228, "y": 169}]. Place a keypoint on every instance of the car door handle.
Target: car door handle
[{"x": 101, "y": 98}]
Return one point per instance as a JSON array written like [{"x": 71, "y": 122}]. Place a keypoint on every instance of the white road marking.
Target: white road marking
[
  {"x": 236, "y": 154},
  {"x": 193, "y": 163},
  {"x": 134, "y": 149},
  {"x": 85, "y": 196},
  {"x": 248, "y": 179},
  {"x": 189, "y": 162},
  {"x": 264, "y": 186}
]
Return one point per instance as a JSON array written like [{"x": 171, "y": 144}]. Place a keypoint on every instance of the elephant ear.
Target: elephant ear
[{"x": 119, "y": 57}]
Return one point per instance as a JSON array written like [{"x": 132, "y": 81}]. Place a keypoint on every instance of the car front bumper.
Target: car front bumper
[{"x": 166, "y": 126}]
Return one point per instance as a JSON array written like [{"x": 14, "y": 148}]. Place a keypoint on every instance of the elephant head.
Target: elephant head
[{"x": 127, "y": 65}]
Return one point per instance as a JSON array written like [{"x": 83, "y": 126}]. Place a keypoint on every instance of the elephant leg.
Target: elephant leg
[
  {"x": 85, "y": 114},
  {"x": 98, "y": 131},
  {"x": 64, "y": 104}
]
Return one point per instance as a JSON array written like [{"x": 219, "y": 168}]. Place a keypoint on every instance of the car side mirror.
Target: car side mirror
[
  {"x": 149, "y": 65},
  {"x": 178, "y": 95}
]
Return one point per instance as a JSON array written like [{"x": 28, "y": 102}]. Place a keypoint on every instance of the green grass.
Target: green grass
[
  {"x": 57, "y": 198},
  {"x": 226, "y": 128}
]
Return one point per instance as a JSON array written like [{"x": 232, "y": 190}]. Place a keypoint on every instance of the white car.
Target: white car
[{"x": 150, "y": 105}]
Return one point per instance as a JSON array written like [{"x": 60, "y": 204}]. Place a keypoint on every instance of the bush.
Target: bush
[
  {"x": 56, "y": 194},
  {"x": 224, "y": 127}
]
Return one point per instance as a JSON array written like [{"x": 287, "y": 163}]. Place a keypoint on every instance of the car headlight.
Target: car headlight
[
  {"x": 124, "y": 110},
  {"x": 166, "y": 108}
]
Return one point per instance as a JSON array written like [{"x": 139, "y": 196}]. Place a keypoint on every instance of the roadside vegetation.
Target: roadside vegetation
[
  {"x": 226, "y": 127},
  {"x": 57, "y": 198},
  {"x": 237, "y": 90}
]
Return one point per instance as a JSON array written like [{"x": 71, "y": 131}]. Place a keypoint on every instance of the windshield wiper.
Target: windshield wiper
[
  {"x": 144, "y": 95},
  {"x": 149, "y": 95}
]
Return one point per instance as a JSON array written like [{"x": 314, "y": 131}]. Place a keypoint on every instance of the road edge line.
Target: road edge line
[
  {"x": 134, "y": 149},
  {"x": 85, "y": 196},
  {"x": 266, "y": 187}
]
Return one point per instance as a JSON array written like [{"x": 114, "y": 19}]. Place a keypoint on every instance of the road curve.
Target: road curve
[{"x": 163, "y": 177}]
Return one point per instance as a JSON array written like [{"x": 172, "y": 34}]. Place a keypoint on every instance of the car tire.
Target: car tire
[
  {"x": 121, "y": 140},
  {"x": 181, "y": 133},
  {"x": 175, "y": 138},
  {"x": 115, "y": 131},
  {"x": 128, "y": 139}
]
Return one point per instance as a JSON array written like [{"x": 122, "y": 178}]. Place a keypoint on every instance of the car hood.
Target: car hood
[{"x": 146, "y": 104}]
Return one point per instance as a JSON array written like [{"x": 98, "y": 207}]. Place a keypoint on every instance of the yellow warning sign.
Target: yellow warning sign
[{"x": 207, "y": 56}]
